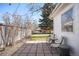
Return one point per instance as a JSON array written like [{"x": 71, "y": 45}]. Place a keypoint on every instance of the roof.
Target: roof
[
  {"x": 58, "y": 8},
  {"x": 54, "y": 10},
  {"x": 1, "y": 24},
  {"x": 38, "y": 29}
]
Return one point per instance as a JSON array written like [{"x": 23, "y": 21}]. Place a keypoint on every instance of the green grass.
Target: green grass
[{"x": 40, "y": 37}]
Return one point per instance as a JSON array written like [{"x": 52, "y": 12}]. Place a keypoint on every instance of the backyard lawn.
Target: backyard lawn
[{"x": 37, "y": 37}]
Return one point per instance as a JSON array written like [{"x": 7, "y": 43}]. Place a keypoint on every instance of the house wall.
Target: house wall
[{"x": 72, "y": 37}]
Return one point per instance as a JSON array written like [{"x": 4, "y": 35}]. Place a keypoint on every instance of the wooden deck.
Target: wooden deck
[{"x": 35, "y": 49}]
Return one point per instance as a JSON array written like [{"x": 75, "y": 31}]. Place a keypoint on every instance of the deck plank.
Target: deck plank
[{"x": 33, "y": 49}]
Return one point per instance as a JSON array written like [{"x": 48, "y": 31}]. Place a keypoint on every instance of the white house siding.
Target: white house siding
[
  {"x": 57, "y": 26},
  {"x": 73, "y": 37}
]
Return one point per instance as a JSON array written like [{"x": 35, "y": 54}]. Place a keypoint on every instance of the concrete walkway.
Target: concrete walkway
[{"x": 34, "y": 48}]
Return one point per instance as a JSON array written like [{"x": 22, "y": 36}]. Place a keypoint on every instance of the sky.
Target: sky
[{"x": 23, "y": 8}]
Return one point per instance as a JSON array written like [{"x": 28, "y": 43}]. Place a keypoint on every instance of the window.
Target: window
[{"x": 67, "y": 21}]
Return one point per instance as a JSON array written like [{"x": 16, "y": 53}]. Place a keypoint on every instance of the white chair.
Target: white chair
[
  {"x": 58, "y": 43},
  {"x": 55, "y": 46},
  {"x": 51, "y": 38}
]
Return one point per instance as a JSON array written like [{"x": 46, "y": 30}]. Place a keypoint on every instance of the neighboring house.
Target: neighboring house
[
  {"x": 37, "y": 30},
  {"x": 66, "y": 23}
]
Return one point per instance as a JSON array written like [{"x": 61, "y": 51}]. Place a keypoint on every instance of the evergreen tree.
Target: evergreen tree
[{"x": 45, "y": 22}]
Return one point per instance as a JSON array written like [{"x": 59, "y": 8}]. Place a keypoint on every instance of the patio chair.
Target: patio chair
[
  {"x": 57, "y": 43},
  {"x": 51, "y": 38},
  {"x": 60, "y": 47}
]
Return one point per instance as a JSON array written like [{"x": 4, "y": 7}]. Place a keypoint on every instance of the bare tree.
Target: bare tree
[
  {"x": 17, "y": 24},
  {"x": 6, "y": 20},
  {"x": 2, "y": 41}
]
